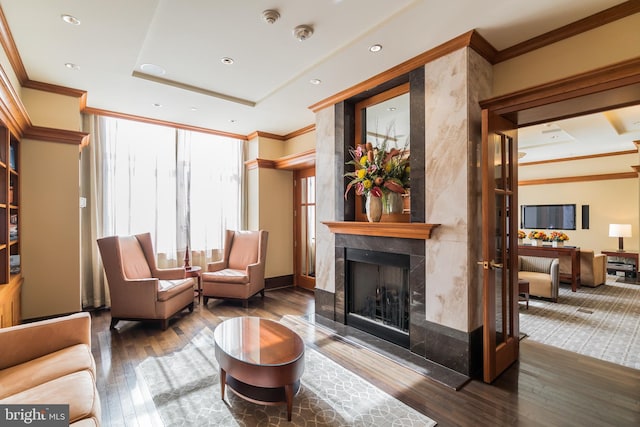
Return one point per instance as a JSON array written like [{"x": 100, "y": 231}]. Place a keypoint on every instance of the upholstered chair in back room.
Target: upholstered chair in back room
[
  {"x": 543, "y": 275},
  {"x": 139, "y": 290},
  {"x": 240, "y": 273},
  {"x": 593, "y": 268}
]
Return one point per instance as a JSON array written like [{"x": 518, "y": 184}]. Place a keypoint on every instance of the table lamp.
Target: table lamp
[{"x": 620, "y": 231}]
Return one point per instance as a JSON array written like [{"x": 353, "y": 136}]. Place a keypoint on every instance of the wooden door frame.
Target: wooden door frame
[
  {"x": 298, "y": 279},
  {"x": 499, "y": 356},
  {"x": 603, "y": 89}
]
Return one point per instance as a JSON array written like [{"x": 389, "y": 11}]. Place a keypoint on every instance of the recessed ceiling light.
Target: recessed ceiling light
[
  {"x": 157, "y": 104},
  {"x": 69, "y": 19},
  {"x": 315, "y": 81},
  {"x": 232, "y": 120},
  {"x": 391, "y": 109},
  {"x": 153, "y": 69},
  {"x": 194, "y": 109},
  {"x": 226, "y": 60},
  {"x": 72, "y": 66},
  {"x": 375, "y": 48}
]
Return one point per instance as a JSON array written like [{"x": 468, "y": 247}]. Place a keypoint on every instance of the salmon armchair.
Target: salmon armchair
[
  {"x": 240, "y": 273},
  {"x": 139, "y": 290}
]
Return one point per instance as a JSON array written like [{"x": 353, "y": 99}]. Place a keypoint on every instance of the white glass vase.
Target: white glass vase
[{"x": 373, "y": 207}]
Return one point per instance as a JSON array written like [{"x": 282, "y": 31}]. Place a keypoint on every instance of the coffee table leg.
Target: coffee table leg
[
  {"x": 223, "y": 382},
  {"x": 288, "y": 391}
]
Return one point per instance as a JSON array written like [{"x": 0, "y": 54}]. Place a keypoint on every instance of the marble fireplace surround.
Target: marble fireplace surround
[{"x": 430, "y": 341}]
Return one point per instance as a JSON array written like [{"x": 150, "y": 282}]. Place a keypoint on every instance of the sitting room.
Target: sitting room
[{"x": 301, "y": 213}]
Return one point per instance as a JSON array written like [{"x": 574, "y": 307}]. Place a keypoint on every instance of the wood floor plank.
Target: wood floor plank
[{"x": 547, "y": 387}]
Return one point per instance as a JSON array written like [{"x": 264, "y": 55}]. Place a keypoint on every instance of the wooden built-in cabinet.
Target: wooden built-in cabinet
[{"x": 10, "y": 277}]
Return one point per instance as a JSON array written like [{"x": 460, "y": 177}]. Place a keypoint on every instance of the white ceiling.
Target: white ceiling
[{"x": 272, "y": 70}]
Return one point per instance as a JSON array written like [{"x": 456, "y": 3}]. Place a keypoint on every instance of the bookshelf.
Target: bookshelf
[{"x": 10, "y": 276}]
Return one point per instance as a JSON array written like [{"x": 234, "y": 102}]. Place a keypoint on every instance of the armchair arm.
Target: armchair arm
[
  {"x": 134, "y": 298},
  {"x": 170, "y": 273},
  {"x": 216, "y": 265},
  {"x": 555, "y": 278},
  {"x": 29, "y": 341}
]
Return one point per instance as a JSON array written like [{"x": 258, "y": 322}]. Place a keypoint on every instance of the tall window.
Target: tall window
[{"x": 182, "y": 186}]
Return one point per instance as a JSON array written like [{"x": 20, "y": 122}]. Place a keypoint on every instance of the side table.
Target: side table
[{"x": 195, "y": 271}]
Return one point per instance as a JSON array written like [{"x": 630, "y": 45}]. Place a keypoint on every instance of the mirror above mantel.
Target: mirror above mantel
[{"x": 384, "y": 118}]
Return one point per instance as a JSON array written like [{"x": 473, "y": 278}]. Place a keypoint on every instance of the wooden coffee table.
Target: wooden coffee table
[{"x": 260, "y": 360}]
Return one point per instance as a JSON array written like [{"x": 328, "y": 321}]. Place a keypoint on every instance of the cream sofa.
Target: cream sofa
[
  {"x": 593, "y": 268},
  {"x": 543, "y": 275},
  {"x": 50, "y": 362}
]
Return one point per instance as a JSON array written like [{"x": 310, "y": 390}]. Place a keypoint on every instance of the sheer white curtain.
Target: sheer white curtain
[{"x": 180, "y": 186}]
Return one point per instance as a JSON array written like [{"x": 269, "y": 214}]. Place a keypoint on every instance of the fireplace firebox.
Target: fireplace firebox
[{"x": 377, "y": 294}]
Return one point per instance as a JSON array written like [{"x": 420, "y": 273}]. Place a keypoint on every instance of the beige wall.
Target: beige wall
[
  {"x": 300, "y": 143},
  {"x": 602, "y": 46},
  {"x": 52, "y": 110},
  {"x": 50, "y": 214},
  {"x": 50, "y": 229},
  {"x": 270, "y": 205},
  {"x": 610, "y": 201}
]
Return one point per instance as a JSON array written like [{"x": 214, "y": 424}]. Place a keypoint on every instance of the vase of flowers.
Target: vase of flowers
[
  {"x": 537, "y": 237},
  {"x": 378, "y": 172},
  {"x": 521, "y": 236},
  {"x": 557, "y": 239}
]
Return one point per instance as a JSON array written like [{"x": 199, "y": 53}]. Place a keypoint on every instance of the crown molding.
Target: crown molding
[
  {"x": 57, "y": 135},
  {"x": 300, "y": 131},
  {"x": 303, "y": 160},
  {"x": 589, "y": 23},
  {"x": 583, "y": 178},
  {"x": 569, "y": 159},
  {"x": 262, "y": 134},
  {"x": 117, "y": 115},
  {"x": 10, "y": 48}
]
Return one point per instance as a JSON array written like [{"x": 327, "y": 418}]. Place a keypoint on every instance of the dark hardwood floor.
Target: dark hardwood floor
[{"x": 547, "y": 387}]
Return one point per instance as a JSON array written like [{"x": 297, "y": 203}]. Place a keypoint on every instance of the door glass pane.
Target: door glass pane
[
  {"x": 498, "y": 164},
  {"x": 498, "y": 271},
  {"x": 311, "y": 241},
  {"x": 307, "y": 211}
]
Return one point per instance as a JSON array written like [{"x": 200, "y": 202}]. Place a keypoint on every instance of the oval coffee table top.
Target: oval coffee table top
[{"x": 258, "y": 341}]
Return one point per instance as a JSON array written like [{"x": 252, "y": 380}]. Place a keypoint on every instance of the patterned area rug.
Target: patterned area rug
[
  {"x": 602, "y": 322},
  {"x": 186, "y": 392}
]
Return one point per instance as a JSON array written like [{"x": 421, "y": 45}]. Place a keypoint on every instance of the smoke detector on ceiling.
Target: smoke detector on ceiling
[
  {"x": 270, "y": 16},
  {"x": 302, "y": 32}
]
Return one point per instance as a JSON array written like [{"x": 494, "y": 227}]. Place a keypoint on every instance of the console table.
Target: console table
[
  {"x": 631, "y": 255},
  {"x": 551, "y": 252}
]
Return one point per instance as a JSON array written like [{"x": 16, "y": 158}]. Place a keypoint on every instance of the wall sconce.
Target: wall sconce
[{"x": 620, "y": 231}]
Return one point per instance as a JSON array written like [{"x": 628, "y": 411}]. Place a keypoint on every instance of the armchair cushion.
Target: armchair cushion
[{"x": 542, "y": 274}]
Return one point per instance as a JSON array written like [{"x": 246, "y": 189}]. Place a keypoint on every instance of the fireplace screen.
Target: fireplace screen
[{"x": 378, "y": 292}]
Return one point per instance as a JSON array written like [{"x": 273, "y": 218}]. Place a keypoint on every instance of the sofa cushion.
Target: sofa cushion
[
  {"x": 46, "y": 368},
  {"x": 86, "y": 422},
  {"x": 78, "y": 390}
]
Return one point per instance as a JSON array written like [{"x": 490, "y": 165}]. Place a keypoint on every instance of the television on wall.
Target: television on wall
[{"x": 548, "y": 217}]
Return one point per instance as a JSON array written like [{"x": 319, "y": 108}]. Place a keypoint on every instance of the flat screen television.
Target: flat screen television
[{"x": 548, "y": 217}]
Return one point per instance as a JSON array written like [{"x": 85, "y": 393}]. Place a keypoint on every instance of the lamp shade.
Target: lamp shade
[{"x": 619, "y": 230}]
